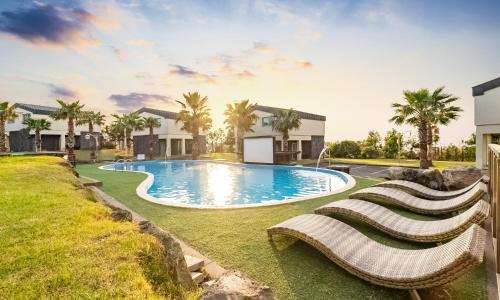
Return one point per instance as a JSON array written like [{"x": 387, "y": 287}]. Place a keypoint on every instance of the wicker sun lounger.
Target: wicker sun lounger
[
  {"x": 405, "y": 228},
  {"x": 419, "y": 205},
  {"x": 422, "y": 191},
  {"x": 384, "y": 265}
]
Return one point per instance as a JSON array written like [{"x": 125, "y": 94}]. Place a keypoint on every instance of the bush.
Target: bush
[{"x": 345, "y": 149}]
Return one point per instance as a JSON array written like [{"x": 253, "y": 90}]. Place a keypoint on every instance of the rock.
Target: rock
[
  {"x": 427, "y": 177},
  {"x": 121, "y": 215},
  {"x": 458, "y": 178},
  {"x": 233, "y": 286}
]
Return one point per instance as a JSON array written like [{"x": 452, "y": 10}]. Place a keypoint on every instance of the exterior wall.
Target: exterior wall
[
  {"x": 141, "y": 144},
  {"x": 483, "y": 138},
  {"x": 317, "y": 145},
  {"x": 487, "y": 121}
]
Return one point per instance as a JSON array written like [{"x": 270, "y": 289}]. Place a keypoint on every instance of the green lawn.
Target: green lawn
[
  {"x": 237, "y": 240},
  {"x": 440, "y": 165},
  {"x": 56, "y": 242}
]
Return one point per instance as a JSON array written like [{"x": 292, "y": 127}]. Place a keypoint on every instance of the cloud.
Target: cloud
[
  {"x": 187, "y": 72},
  {"x": 48, "y": 25},
  {"x": 140, "y": 42},
  {"x": 119, "y": 53},
  {"x": 60, "y": 91},
  {"x": 245, "y": 74},
  {"x": 141, "y": 75},
  {"x": 262, "y": 47},
  {"x": 304, "y": 64},
  {"x": 137, "y": 100}
]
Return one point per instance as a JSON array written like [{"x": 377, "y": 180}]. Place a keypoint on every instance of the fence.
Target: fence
[{"x": 494, "y": 190}]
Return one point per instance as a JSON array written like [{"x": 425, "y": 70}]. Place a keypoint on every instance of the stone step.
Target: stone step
[
  {"x": 197, "y": 277},
  {"x": 193, "y": 263}
]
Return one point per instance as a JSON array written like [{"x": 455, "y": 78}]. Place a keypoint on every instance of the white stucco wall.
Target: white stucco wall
[
  {"x": 306, "y": 130},
  {"x": 487, "y": 121}
]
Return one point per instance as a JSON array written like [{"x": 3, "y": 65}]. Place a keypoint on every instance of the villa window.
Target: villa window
[{"x": 266, "y": 121}]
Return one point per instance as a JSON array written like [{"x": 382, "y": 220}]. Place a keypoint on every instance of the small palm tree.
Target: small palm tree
[
  {"x": 69, "y": 111},
  {"x": 241, "y": 116},
  {"x": 129, "y": 123},
  {"x": 37, "y": 125},
  {"x": 91, "y": 118},
  {"x": 7, "y": 113},
  {"x": 195, "y": 117},
  {"x": 283, "y": 121},
  {"x": 151, "y": 123}
]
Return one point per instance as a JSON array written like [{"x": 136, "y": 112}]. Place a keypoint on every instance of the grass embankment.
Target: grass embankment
[
  {"x": 56, "y": 242},
  {"x": 237, "y": 239},
  {"x": 440, "y": 165}
]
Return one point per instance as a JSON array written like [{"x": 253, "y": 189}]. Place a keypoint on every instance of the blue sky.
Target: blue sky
[{"x": 347, "y": 60}]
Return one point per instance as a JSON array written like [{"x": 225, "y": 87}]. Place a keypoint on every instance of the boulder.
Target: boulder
[
  {"x": 458, "y": 178},
  {"x": 427, "y": 177},
  {"x": 233, "y": 286}
]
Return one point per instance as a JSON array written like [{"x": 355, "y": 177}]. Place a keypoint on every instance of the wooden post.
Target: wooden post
[{"x": 496, "y": 197}]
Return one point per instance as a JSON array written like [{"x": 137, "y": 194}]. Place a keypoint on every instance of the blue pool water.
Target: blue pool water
[{"x": 218, "y": 184}]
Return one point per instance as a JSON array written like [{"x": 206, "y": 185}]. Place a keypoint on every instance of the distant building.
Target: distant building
[
  {"x": 52, "y": 140},
  {"x": 309, "y": 139},
  {"x": 170, "y": 139},
  {"x": 486, "y": 118}
]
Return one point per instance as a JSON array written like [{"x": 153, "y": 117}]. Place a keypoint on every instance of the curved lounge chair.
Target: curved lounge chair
[
  {"x": 404, "y": 228},
  {"x": 419, "y": 205},
  {"x": 384, "y": 265},
  {"x": 422, "y": 191}
]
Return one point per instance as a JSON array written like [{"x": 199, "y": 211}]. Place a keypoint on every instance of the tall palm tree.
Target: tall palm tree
[
  {"x": 7, "y": 113},
  {"x": 91, "y": 118},
  {"x": 283, "y": 121},
  {"x": 151, "y": 123},
  {"x": 37, "y": 125},
  {"x": 194, "y": 116},
  {"x": 241, "y": 116},
  {"x": 69, "y": 111},
  {"x": 129, "y": 123},
  {"x": 443, "y": 113}
]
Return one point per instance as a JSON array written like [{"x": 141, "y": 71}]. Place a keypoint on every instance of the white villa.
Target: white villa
[
  {"x": 52, "y": 140},
  {"x": 486, "y": 118},
  {"x": 171, "y": 140},
  {"x": 309, "y": 139}
]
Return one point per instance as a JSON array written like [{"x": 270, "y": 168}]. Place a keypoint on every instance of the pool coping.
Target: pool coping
[{"x": 143, "y": 187}]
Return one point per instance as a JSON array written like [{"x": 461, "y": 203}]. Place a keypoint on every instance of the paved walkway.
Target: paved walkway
[{"x": 360, "y": 170}]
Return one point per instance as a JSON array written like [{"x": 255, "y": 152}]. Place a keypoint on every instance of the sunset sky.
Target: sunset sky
[{"x": 347, "y": 60}]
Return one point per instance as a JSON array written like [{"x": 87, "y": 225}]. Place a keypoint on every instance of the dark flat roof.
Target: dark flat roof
[
  {"x": 303, "y": 115},
  {"x": 37, "y": 109},
  {"x": 162, "y": 113},
  {"x": 479, "y": 89}
]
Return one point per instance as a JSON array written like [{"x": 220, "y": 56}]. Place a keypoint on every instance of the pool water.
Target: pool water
[{"x": 216, "y": 184}]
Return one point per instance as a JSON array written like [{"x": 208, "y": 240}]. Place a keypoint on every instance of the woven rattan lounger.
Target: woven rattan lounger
[
  {"x": 404, "y": 228},
  {"x": 384, "y": 265},
  {"x": 431, "y": 207},
  {"x": 422, "y": 191}
]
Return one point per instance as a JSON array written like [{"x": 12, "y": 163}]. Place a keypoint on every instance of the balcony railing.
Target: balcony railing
[{"x": 494, "y": 191}]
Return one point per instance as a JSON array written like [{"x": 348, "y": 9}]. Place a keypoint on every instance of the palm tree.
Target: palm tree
[
  {"x": 241, "y": 116},
  {"x": 69, "y": 111},
  {"x": 37, "y": 125},
  {"x": 444, "y": 113},
  {"x": 129, "y": 122},
  {"x": 114, "y": 133},
  {"x": 151, "y": 123},
  {"x": 283, "y": 121},
  {"x": 91, "y": 118},
  {"x": 194, "y": 116},
  {"x": 7, "y": 113}
]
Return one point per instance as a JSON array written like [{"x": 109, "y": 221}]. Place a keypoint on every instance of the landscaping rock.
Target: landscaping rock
[
  {"x": 458, "y": 178},
  {"x": 175, "y": 262},
  {"x": 429, "y": 178},
  {"x": 121, "y": 215},
  {"x": 233, "y": 286}
]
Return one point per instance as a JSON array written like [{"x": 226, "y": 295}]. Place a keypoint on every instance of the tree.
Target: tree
[
  {"x": 283, "y": 121},
  {"x": 91, "y": 118},
  {"x": 392, "y": 144},
  {"x": 371, "y": 147},
  {"x": 69, "y": 111},
  {"x": 442, "y": 113},
  {"x": 128, "y": 123},
  {"x": 471, "y": 141},
  {"x": 151, "y": 123},
  {"x": 416, "y": 111},
  {"x": 240, "y": 116},
  {"x": 114, "y": 133},
  {"x": 229, "y": 138},
  {"x": 195, "y": 117},
  {"x": 7, "y": 113},
  {"x": 345, "y": 149},
  {"x": 37, "y": 125}
]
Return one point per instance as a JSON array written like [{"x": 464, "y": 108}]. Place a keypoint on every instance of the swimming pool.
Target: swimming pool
[{"x": 211, "y": 184}]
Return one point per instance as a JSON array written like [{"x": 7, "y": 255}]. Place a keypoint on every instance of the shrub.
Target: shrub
[{"x": 345, "y": 149}]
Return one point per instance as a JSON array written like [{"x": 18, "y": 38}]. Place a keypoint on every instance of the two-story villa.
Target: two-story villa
[
  {"x": 170, "y": 139},
  {"x": 309, "y": 139},
  {"x": 52, "y": 140},
  {"x": 486, "y": 118}
]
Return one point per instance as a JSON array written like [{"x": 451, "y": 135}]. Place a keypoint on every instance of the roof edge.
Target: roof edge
[{"x": 479, "y": 89}]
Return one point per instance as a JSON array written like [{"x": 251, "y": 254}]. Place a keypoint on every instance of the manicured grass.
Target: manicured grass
[
  {"x": 56, "y": 242},
  {"x": 440, "y": 165},
  {"x": 225, "y": 156},
  {"x": 237, "y": 239}
]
